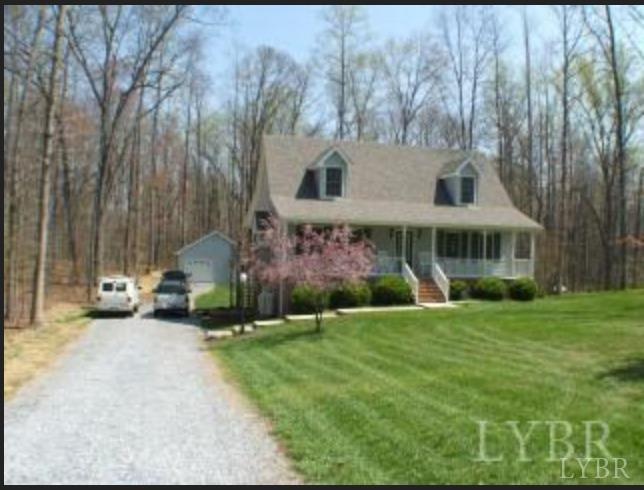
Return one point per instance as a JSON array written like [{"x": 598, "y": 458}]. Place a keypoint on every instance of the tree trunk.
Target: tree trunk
[
  {"x": 136, "y": 198},
  {"x": 184, "y": 172},
  {"x": 37, "y": 307},
  {"x": 528, "y": 87},
  {"x": 341, "y": 104},
  {"x": 621, "y": 153},
  {"x": 153, "y": 224},
  {"x": 69, "y": 215},
  {"x": 561, "y": 256},
  {"x": 13, "y": 163}
]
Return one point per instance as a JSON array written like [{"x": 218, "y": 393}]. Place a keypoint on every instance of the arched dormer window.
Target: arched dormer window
[{"x": 332, "y": 175}]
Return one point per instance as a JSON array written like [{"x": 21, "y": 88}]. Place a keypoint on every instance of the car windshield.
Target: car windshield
[
  {"x": 108, "y": 286},
  {"x": 170, "y": 289},
  {"x": 121, "y": 286}
]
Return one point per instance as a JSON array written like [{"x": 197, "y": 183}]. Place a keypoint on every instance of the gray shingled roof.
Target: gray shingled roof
[{"x": 387, "y": 185}]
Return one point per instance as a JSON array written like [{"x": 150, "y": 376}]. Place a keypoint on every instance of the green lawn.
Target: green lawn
[
  {"x": 395, "y": 397},
  {"x": 215, "y": 298}
]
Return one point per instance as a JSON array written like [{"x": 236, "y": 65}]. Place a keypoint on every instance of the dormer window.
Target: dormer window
[
  {"x": 458, "y": 184},
  {"x": 331, "y": 175},
  {"x": 333, "y": 182},
  {"x": 467, "y": 190}
]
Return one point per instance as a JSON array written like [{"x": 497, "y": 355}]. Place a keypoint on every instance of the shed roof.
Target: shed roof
[{"x": 212, "y": 234}]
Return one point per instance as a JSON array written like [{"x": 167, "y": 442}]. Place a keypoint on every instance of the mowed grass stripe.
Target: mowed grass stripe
[
  {"x": 391, "y": 398},
  {"x": 454, "y": 353},
  {"x": 465, "y": 370},
  {"x": 308, "y": 418},
  {"x": 372, "y": 423},
  {"x": 415, "y": 414},
  {"x": 460, "y": 349},
  {"x": 465, "y": 396}
]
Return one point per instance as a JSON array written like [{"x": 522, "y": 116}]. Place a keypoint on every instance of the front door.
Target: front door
[{"x": 409, "y": 246}]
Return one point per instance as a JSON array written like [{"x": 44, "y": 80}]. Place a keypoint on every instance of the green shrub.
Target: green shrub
[
  {"x": 523, "y": 289},
  {"x": 304, "y": 299},
  {"x": 457, "y": 290},
  {"x": 350, "y": 295},
  {"x": 491, "y": 288},
  {"x": 391, "y": 290}
]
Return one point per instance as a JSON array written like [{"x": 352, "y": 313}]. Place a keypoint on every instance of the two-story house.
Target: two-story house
[{"x": 433, "y": 215}]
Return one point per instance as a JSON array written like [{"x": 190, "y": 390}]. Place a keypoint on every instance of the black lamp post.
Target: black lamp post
[{"x": 243, "y": 278}]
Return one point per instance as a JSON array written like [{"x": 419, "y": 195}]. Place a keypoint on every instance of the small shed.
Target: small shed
[{"x": 209, "y": 259}]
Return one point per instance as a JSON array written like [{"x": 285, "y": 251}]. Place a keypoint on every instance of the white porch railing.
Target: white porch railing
[
  {"x": 523, "y": 267},
  {"x": 411, "y": 279},
  {"x": 504, "y": 267},
  {"x": 441, "y": 280},
  {"x": 457, "y": 268}
]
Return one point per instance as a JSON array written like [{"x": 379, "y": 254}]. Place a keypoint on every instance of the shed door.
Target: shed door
[{"x": 200, "y": 270}]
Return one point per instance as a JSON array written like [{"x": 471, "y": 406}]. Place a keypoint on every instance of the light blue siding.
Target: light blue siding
[{"x": 208, "y": 260}]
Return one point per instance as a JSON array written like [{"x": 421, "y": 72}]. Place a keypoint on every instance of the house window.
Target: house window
[
  {"x": 467, "y": 190},
  {"x": 440, "y": 243},
  {"x": 477, "y": 245},
  {"x": 333, "y": 182},
  {"x": 452, "y": 245},
  {"x": 493, "y": 246},
  {"x": 467, "y": 245},
  {"x": 522, "y": 246},
  {"x": 464, "y": 245}
]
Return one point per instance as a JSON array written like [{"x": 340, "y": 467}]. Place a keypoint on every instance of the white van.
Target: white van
[{"x": 118, "y": 294}]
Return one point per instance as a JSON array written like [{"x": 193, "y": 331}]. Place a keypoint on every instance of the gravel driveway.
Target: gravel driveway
[{"x": 139, "y": 401}]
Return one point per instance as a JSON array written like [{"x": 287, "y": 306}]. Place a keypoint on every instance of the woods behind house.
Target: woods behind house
[{"x": 120, "y": 146}]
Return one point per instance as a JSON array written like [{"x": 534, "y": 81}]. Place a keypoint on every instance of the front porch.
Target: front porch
[
  {"x": 459, "y": 253},
  {"x": 440, "y": 254}
]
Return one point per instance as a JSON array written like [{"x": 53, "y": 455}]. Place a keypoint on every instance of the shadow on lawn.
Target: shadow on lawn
[
  {"x": 221, "y": 317},
  {"x": 291, "y": 336},
  {"x": 630, "y": 370}
]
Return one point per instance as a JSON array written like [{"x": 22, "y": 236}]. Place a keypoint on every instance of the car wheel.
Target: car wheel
[
  {"x": 186, "y": 312},
  {"x": 155, "y": 313}
]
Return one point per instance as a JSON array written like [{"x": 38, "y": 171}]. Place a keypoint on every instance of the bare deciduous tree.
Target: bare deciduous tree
[{"x": 51, "y": 101}]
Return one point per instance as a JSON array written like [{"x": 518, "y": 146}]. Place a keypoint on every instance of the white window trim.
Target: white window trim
[
  {"x": 323, "y": 182},
  {"x": 322, "y": 165}
]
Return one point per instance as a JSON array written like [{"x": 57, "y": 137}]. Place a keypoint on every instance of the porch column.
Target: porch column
[
  {"x": 532, "y": 250},
  {"x": 403, "y": 246},
  {"x": 484, "y": 253},
  {"x": 512, "y": 252},
  {"x": 433, "y": 249}
]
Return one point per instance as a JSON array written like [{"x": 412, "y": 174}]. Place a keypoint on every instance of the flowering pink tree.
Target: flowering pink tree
[{"x": 322, "y": 260}]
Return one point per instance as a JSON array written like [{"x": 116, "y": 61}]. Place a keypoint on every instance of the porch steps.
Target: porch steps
[{"x": 429, "y": 292}]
